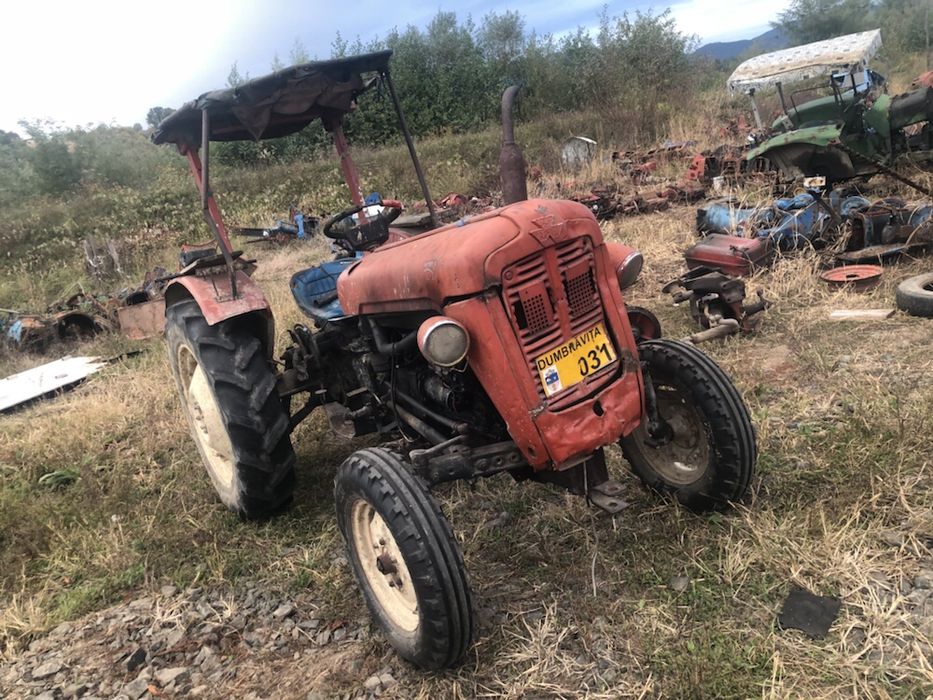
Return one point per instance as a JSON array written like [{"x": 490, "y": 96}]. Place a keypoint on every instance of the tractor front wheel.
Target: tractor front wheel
[
  {"x": 405, "y": 559},
  {"x": 238, "y": 422},
  {"x": 703, "y": 450}
]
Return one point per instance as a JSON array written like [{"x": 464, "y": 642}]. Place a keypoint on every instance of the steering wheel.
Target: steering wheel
[{"x": 394, "y": 210}]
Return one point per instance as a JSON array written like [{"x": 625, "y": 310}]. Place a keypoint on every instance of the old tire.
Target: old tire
[
  {"x": 707, "y": 458},
  {"x": 915, "y": 295},
  {"x": 238, "y": 422},
  {"x": 405, "y": 559}
]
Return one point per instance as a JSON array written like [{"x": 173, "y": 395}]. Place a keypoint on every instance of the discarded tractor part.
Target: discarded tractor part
[
  {"x": 716, "y": 301},
  {"x": 857, "y": 278},
  {"x": 730, "y": 255},
  {"x": 723, "y": 327},
  {"x": 511, "y": 160},
  {"x": 57, "y": 376},
  {"x": 915, "y": 295},
  {"x": 855, "y": 129},
  {"x": 142, "y": 321},
  {"x": 607, "y": 496}
]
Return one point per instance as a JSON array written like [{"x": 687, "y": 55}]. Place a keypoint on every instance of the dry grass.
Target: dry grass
[{"x": 570, "y": 602}]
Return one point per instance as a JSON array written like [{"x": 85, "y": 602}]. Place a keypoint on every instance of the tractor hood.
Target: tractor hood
[
  {"x": 807, "y": 152},
  {"x": 459, "y": 260},
  {"x": 820, "y": 135}
]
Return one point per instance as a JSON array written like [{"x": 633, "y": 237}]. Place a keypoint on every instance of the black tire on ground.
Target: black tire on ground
[
  {"x": 405, "y": 559},
  {"x": 915, "y": 295},
  {"x": 238, "y": 422},
  {"x": 708, "y": 458}
]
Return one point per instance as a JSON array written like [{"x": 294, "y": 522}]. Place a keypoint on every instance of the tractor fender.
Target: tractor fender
[{"x": 217, "y": 303}]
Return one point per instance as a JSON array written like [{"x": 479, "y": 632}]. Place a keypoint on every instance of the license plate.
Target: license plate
[{"x": 568, "y": 364}]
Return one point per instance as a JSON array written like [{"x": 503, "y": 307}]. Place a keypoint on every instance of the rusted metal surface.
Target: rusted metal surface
[
  {"x": 142, "y": 321},
  {"x": 215, "y": 297},
  {"x": 553, "y": 241},
  {"x": 858, "y": 278},
  {"x": 717, "y": 300},
  {"x": 511, "y": 160}
]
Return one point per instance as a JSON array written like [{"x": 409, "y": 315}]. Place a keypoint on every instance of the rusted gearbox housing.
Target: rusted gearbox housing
[{"x": 717, "y": 303}]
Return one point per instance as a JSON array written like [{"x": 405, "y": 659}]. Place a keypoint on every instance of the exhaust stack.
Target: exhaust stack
[{"x": 511, "y": 161}]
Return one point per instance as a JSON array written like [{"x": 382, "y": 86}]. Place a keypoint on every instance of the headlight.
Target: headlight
[
  {"x": 443, "y": 341},
  {"x": 629, "y": 269}
]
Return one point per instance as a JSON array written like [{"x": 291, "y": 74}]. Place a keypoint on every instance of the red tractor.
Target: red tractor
[{"x": 499, "y": 343}]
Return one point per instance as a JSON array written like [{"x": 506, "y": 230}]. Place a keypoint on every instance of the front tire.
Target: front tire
[
  {"x": 405, "y": 559},
  {"x": 706, "y": 454},
  {"x": 237, "y": 420}
]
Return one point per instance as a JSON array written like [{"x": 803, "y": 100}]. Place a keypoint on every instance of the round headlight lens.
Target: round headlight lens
[
  {"x": 630, "y": 269},
  {"x": 443, "y": 341}
]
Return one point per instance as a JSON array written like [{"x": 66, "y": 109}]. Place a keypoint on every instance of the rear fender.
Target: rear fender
[{"x": 214, "y": 297}]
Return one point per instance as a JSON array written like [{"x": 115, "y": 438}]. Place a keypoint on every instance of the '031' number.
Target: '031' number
[{"x": 593, "y": 359}]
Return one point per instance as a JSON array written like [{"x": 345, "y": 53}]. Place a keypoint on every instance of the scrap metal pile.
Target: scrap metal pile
[
  {"x": 738, "y": 239},
  {"x": 137, "y": 312},
  {"x": 643, "y": 190}
]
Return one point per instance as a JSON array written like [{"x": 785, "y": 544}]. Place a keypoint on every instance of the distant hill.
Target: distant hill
[{"x": 771, "y": 40}]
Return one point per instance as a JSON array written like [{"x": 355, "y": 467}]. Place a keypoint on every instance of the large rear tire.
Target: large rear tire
[
  {"x": 238, "y": 422},
  {"x": 706, "y": 456},
  {"x": 405, "y": 559}
]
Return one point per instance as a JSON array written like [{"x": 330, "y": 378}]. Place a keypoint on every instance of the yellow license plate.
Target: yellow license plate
[{"x": 568, "y": 364}]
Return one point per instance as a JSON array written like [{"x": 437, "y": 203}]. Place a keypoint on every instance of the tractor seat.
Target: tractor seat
[{"x": 315, "y": 290}]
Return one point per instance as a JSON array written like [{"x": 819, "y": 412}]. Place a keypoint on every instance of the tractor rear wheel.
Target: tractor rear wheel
[
  {"x": 405, "y": 559},
  {"x": 704, "y": 454},
  {"x": 238, "y": 422}
]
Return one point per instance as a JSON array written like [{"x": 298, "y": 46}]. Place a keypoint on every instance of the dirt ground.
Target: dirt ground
[{"x": 131, "y": 579}]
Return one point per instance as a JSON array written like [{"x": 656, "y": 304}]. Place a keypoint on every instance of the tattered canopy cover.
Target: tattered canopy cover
[
  {"x": 274, "y": 105},
  {"x": 850, "y": 52}
]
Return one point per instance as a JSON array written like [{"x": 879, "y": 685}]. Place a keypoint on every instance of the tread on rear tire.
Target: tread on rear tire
[{"x": 253, "y": 469}]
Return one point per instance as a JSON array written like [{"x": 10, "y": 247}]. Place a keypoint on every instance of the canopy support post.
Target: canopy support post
[
  {"x": 411, "y": 149},
  {"x": 208, "y": 206}
]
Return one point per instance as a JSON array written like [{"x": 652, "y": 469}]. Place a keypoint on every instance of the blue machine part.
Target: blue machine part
[
  {"x": 373, "y": 198},
  {"x": 315, "y": 290},
  {"x": 723, "y": 217},
  {"x": 300, "y": 222},
  {"x": 790, "y": 222},
  {"x": 15, "y": 332}
]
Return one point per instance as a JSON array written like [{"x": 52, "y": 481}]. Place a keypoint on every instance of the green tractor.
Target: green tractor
[{"x": 854, "y": 129}]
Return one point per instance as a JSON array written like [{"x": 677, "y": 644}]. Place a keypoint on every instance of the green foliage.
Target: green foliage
[
  {"x": 903, "y": 23},
  {"x": 156, "y": 114}
]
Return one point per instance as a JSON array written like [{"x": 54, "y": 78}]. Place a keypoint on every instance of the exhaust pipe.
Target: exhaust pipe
[{"x": 511, "y": 161}]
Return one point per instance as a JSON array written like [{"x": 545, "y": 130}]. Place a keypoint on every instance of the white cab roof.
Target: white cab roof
[{"x": 850, "y": 52}]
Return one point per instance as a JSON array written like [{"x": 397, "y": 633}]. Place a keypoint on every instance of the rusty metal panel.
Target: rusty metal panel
[
  {"x": 213, "y": 294},
  {"x": 141, "y": 321}
]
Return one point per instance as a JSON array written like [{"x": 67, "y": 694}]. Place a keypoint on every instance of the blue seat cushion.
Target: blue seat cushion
[{"x": 315, "y": 289}]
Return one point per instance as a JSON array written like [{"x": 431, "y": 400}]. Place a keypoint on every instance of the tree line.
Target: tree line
[{"x": 635, "y": 69}]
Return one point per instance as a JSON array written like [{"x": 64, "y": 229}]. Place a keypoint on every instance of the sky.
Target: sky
[{"x": 106, "y": 61}]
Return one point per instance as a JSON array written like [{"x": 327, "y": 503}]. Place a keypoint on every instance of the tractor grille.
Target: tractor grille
[{"x": 551, "y": 297}]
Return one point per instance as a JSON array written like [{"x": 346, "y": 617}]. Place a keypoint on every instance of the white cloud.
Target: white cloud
[{"x": 726, "y": 21}]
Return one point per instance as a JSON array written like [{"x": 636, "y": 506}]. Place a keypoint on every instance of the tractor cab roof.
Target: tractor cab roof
[
  {"x": 848, "y": 54},
  {"x": 274, "y": 105}
]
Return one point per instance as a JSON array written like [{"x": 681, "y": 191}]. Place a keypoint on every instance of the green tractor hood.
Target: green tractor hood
[{"x": 807, "y": 152}]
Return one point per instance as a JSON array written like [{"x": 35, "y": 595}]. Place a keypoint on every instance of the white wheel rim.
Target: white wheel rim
[
  {"x": 383, "y": 567},
  {"x": 207, "y": 421}
]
